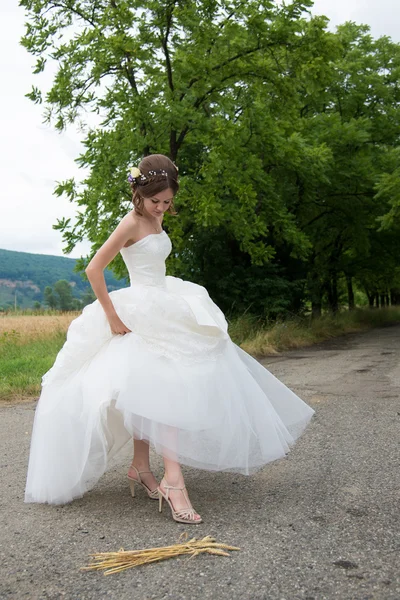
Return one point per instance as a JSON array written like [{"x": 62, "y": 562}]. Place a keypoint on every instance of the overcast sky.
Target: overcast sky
[{"x": 33, "y": 156}]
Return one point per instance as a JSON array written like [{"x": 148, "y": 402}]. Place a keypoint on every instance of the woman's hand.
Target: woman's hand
[{"x": 117, "y": 326}]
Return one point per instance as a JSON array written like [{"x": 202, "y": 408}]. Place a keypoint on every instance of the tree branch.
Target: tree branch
[
  {"x": 326, "y": 212},
  {"x": 74, "y": 11},
  {"x": 227, "y": 61},
  {"x": 164, "y": 43}
]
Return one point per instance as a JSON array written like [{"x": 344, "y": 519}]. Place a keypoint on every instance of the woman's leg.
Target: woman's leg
[
  {"x": 173, "y": 473},
  {"x": 173, "y": 476},
  {"x": 141, "y": 460}
]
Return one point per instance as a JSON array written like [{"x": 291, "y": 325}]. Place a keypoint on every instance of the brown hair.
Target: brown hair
[{"x": 158, "y": 173}]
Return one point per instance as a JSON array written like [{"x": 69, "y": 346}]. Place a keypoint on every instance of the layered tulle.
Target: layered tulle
[{"x": 177, "y": 380}]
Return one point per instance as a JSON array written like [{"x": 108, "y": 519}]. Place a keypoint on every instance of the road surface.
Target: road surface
[{"x": 321, "y": 523}]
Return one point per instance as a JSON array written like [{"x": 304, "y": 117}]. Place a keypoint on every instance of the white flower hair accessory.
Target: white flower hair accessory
[{"x": 135, "y": 173}]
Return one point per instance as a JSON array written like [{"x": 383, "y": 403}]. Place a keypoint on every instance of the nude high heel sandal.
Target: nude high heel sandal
[
  {"x": 152, "y": 494},
  {"x": 185, "y": 515}
]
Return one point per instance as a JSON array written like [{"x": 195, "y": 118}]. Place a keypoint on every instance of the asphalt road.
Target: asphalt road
[{"x": 321, "y": 523}]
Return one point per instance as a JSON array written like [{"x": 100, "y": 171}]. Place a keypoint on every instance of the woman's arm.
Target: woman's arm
[{"x": 95, "y": 270}]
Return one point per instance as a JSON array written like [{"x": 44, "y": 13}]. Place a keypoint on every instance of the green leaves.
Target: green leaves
[
  {"x": 388, "y": 191},
  {"x": 35, "y": 95}
]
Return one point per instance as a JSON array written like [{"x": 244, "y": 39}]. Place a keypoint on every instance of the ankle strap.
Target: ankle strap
[
  {"x": 133, "y": 467},
  {"x": 171, "y": 487}
]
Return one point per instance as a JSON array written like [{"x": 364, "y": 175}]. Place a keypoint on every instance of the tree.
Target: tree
[
  {"x": 201, "y": 82},
  {"x": 63, "y": 292},
  {"x": 285, "y": 135},
  {"x": 358, "y": 120},
  {"x": 388, "y": 189},
  {"x": 49, "y": 297},
  {"x": 76, "y": 304},
  {"x": 175, "y": 76},
  {"x": 88, "y": 297}
]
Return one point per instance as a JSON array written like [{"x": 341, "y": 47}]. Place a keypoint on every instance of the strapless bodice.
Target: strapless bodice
[{"x": 145, "y": 259}]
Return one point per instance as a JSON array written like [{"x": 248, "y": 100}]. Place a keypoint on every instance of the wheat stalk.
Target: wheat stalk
[{"x": 115, "y": 562}]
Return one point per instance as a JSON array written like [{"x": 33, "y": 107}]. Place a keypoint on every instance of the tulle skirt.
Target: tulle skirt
[{"x": 177, "y": 381}]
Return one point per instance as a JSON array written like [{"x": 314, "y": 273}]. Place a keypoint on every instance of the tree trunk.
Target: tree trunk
[
  {"x": 377, "y": 300},
  {"x": 316, "y": 293},
  {"x": 316, "y": 309},
  {"x": 382, "y": 300},
  {"x": 394, "y": 296},
  {"x": 387, "y": 299},
  {"x": 333, "y": 294},
  {"x": 350, "y": 292},
  {"x": 371, "y": 299}
]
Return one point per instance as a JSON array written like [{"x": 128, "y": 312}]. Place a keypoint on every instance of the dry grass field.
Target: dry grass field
[{"x": 31, "y": 327}]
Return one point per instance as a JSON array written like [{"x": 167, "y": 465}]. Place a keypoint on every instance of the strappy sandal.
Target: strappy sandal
[
  {"x": 153, "y": 494},
  {"x": 185, "y": 515}
]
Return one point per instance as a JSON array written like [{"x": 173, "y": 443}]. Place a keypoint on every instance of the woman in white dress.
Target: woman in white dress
[{"x": 154, "y": 362}]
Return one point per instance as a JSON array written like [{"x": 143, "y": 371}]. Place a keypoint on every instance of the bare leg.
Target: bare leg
[
  {"x": 141, "y": 461},
  {"x": 173, "y": 476}
]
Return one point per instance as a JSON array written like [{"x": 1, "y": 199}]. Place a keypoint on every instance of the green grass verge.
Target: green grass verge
[{"x": 23, "y": 363}]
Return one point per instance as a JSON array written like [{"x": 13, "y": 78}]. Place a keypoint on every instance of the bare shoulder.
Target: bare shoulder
[
  {"x": 132, "y": 225},
  {"x": 133, "y": 219},
  {"x": 120, "y": 237}
]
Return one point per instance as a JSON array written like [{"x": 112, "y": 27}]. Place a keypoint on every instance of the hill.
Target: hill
[{"x": 24, "y": 276}]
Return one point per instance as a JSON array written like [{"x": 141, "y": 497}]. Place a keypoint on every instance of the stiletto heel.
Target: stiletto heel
[
  {"x": 153, "y": 494},
  {"x": 160, "y": 500},
  {"x": 185, "y": 515}
]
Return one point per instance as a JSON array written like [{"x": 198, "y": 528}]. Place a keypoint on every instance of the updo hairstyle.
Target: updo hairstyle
[{"x": 158, "y": 173}]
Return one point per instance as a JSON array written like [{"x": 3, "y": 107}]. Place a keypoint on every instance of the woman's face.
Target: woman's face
[{"x": 158, "y": 204}]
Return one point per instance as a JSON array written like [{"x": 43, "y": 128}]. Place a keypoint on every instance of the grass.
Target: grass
[
  {"x": 28, "y": 347},
  {"x": 30, "y": 343}
]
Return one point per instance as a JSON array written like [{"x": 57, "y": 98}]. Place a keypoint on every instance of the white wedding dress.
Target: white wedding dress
[{"x": 177, "y": 381}]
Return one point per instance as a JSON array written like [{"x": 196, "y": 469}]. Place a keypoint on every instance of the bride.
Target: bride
[{"x": 154, "y": 362}]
